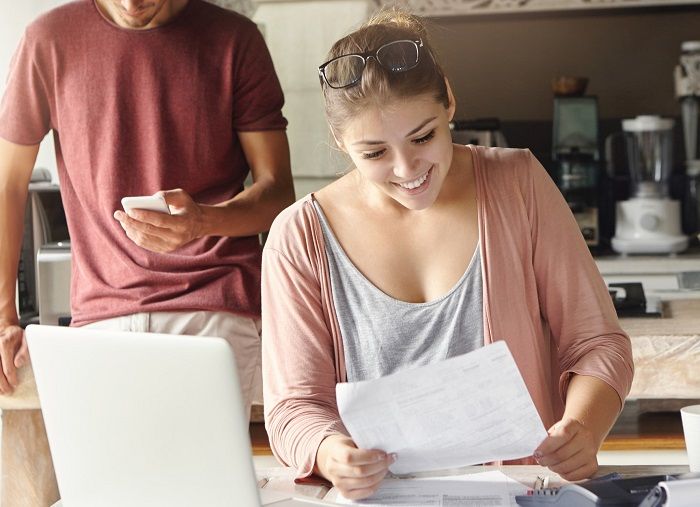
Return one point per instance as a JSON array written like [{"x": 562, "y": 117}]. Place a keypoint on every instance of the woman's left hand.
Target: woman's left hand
[{"x": 570, "y": 450}]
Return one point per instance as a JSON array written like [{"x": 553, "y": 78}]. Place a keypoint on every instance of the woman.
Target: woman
[{"x": 423, "y": 251}]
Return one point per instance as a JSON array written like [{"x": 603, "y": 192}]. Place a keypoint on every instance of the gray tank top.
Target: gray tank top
[{"x": 382, "y": 334}]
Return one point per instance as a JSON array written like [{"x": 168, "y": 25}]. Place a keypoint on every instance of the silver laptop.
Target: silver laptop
[{"x": 139, "y": 419}]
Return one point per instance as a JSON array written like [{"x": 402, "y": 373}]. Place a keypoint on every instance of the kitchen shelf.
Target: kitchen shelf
[{"x": 439, "y": 8}]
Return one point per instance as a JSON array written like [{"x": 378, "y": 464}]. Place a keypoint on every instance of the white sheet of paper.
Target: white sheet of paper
[
  {"x": 466, "y": 410},
  {"x": 493, "y": 489}
]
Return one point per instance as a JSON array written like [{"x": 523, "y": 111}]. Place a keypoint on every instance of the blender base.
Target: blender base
[
  {"x": 667, "y": 245},
  {"x": 647, "y": 225}
]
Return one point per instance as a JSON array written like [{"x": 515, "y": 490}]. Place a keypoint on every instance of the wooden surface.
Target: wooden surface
[
  {"x": 643, "y": 425},
  {"x": 259, "y": 440}
]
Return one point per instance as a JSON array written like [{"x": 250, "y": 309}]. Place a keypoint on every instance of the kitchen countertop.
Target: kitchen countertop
[
  {"x": 649, "y": 264},
  {"x": 680, "y": 317},
  {"x": 666, "y": 352}
]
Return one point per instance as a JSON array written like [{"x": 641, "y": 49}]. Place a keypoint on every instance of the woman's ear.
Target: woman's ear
[{"x": 452, "y": 104}]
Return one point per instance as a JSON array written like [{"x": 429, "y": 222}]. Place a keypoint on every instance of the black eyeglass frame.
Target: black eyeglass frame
[{"x": 365, "y": 57}]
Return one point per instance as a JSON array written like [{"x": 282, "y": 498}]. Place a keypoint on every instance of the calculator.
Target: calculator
[{"x": 613, "y": 493}]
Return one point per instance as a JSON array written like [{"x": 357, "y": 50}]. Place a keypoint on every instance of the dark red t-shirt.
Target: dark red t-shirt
[{"x": 134, "y": 112}]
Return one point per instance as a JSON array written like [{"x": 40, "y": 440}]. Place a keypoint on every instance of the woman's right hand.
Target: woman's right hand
[{"x": 356, "y": 473}]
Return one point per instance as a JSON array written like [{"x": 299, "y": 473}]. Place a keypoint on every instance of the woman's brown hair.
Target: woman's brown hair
[{"x": 379, "y": 85}]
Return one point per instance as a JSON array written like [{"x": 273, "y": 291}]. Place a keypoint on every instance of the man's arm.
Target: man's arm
[
  {"x": 248, "y": 213},
  {"x": 16, "y": 164},
  {"x": 253, "y": 210}
]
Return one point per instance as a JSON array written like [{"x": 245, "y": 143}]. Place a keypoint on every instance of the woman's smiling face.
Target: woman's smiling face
[{"x": 402, "y": 149}]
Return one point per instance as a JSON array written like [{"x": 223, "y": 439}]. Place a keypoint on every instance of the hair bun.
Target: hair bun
[{"x": 398, "y": 17}]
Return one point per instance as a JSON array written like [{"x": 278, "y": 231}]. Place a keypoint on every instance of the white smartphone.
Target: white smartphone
[{"x": 146, "y": 202}]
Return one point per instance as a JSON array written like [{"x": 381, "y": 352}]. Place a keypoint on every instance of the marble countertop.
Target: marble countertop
[{"x": 666, "y": 352}]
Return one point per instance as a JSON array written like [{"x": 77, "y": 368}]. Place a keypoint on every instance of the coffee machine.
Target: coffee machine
[
  {"x": 576, "y": 156},
  {"x": 649, "y": 222}
]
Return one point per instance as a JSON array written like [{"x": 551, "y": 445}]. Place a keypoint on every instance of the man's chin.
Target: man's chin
[{"x": 136, "y": 22}]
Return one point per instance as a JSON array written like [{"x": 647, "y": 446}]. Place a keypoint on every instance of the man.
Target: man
[{"x": 145, "y": 96}]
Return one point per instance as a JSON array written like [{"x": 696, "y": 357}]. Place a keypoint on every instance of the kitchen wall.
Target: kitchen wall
[
  {"x": 501, "y": 65},
  {"x": 14, "y": 17}
]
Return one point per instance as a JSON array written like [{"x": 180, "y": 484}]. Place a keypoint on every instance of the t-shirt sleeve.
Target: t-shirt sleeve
[
  {"x": 258, "y": 97},
  {"x": 25, "y": 116}
]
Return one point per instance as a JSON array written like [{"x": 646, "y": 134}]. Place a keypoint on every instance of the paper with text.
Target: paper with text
[
  {"x": 466, "y": 410},
  {"x": 492, "y": 489}
]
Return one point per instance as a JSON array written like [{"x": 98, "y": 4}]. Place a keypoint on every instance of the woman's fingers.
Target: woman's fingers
[
  {"x": 363, "y": 465},
  {"x": 357, "y": 473},
  {"x": 569, "y": 450},
  {"x": 360, "y": 487}
]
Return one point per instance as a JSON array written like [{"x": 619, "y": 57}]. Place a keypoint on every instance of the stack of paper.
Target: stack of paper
[{"x": 492, "y": 489}]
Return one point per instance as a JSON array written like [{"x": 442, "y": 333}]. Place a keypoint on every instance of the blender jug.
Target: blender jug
[{"x": 648, "y": 142}]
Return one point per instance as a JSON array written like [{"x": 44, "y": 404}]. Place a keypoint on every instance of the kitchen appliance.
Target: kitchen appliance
[
  {"x": 649, "y": 222},
  {"x": 53, "y": 265},
  {"x": 630, "y": 300},
  {"x": 481, "y": 131},
  {"x": 687, "y": 79},
  {"x": 44, "y": 222},
  {"x": 577, "y": 157}
]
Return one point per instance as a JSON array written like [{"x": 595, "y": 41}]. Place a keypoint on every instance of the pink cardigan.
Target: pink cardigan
[{"x": 542, "y": 294}]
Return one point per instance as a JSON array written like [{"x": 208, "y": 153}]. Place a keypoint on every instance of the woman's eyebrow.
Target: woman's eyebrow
[{"x": 417, "y": 129}]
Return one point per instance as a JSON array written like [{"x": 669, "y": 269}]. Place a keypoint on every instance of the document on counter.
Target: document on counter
[
  {"x": 466, "y": 410},
  {"x": 492, "y": 489}
]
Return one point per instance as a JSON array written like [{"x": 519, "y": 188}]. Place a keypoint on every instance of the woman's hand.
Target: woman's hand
[
  {"x": 570, "y": 450},
  {"x": 356, "y": 473}
]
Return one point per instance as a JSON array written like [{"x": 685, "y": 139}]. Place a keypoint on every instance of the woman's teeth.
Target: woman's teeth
[{"x": 415, "y": 183}]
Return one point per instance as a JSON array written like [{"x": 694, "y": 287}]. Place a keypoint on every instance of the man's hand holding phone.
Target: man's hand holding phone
[{"x": 162, "y": 222}]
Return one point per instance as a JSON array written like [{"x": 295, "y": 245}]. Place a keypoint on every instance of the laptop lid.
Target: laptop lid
[{"x": 143, "y": 419}]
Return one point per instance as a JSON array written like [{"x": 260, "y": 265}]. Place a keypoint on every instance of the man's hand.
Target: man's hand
[
  {"x": 13, "y": 354},
  {"x": 163, "y": 233},
  {"x": 356, "y": 473},
  {"x": 570, "y": 450}
]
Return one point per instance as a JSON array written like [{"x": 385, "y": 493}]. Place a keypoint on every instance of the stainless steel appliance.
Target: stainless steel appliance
[
  {"x": 649, "y": 221},
  {"x": 687, "y": 78},
  {"x": 481, "y": 131},
  {"x": 44, "y": 222},
  {"x": 53, "y": 263}
]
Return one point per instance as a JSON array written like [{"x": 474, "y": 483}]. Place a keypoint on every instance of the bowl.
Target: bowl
[{"x": 569, "y": 86}]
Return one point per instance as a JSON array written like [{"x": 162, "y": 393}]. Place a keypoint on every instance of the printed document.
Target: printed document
[
  {"x": 466, "y": 410},
  {"x": 492, "y": 489}
]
